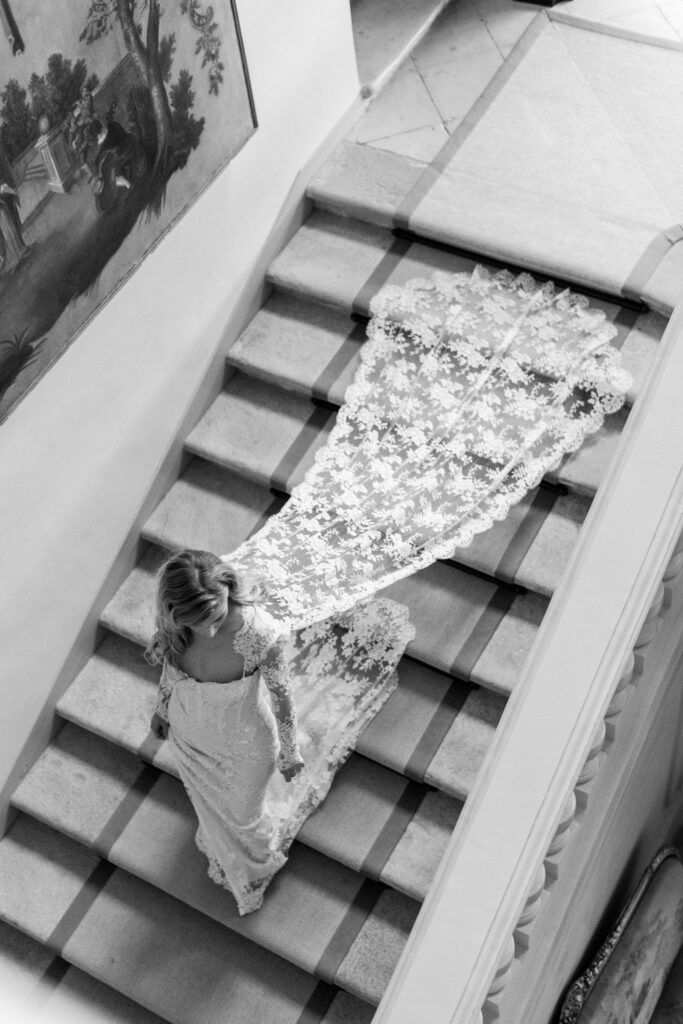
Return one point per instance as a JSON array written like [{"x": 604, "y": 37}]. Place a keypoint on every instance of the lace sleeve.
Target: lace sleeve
[
  {"x": 163, "y": 695},
  {"x": 275, "y": 674}
]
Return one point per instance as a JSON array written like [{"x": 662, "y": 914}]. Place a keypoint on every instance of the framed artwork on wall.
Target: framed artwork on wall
[{"x": 114, "y": 116}]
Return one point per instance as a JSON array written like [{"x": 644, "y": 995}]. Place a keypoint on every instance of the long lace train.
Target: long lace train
[{"x": 470, "y": 389}]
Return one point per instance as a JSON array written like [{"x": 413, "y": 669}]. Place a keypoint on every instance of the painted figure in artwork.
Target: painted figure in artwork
[
  {"x": 12, "y": 245},
  {"x": 109, "y": 103}
]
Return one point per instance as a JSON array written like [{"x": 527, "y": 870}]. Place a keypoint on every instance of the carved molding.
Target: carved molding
[{"x": 604, "y": 733}]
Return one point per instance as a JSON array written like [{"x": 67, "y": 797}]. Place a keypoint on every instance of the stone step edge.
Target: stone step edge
[
  {"x": 288, "y": 952},
  {"x": 141, "y": 802},
  {"x": 371, "y": 210},
  {"x": 150, "y": 757},
  {"x": 78, "y": 962}
]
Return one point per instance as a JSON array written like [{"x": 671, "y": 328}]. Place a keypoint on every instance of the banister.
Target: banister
[{"x": 521, "y": 805}]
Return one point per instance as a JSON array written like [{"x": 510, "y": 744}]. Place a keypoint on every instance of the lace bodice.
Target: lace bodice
[{"x": 259, "y": 642}]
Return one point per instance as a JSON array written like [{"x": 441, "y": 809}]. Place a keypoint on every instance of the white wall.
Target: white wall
[{"x": 79, "y": 455}]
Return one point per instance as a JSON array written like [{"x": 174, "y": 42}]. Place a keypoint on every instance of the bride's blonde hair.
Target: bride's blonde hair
[{"x": 190, "y": 585}]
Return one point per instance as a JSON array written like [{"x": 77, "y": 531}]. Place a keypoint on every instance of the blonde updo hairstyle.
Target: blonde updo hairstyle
[{"x": 190, "y": 585}]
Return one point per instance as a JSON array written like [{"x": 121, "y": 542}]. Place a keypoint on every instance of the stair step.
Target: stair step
[
  {"x": 209, "y": 508},
  {"x": 529, "y": 548},
  {"x": 465, "y": 626},
  {"x": 262, "y": 432},
  {"x": 111, "y": 700},
  {"x": 270, "y": 435},
  {"x": 368, "y": 184},
  {"x": 40, "y": 989},
  {"x": 301, "y": 345},
  {"x": 114, "y": 695},
  {"x": 97, "y": 794},
  {"x": 343, "y": 263},
  {"x": 215, "y": 510},
  {"x": 169, "y": 958}
]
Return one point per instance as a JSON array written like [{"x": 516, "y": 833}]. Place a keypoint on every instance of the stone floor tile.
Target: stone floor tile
[
  {"x": 651, "y": 23},
  {"x": 421, "y": 143},
  {"x": 509, "y": 21},
  {"x": 460, "y": 31},
  {"x": 602, "y": 10},
  {"x": 455, "y": 86},
  {"x": 403, "y": 105},
  {"x": 673, "y": 13},
  {"x": 383, "y": 30}
]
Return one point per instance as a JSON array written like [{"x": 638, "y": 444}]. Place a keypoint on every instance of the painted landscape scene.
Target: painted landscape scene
[{"x": 114, "y": 116}]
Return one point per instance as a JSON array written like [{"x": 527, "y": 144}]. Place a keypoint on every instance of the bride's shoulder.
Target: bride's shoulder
[{"x": 263, "y": 623}]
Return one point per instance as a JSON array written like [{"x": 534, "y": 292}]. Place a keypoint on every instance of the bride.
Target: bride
[
  {"x": 251, "y": 773},
  {"x": 471, "y": 388},
  {"x": 216, "y": 645}
]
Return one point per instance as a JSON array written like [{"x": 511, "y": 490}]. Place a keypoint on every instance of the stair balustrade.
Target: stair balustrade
[{"x": 581, "y": 784}]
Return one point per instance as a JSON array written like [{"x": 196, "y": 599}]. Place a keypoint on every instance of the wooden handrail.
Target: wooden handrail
[{"x": 548, "y": 728}]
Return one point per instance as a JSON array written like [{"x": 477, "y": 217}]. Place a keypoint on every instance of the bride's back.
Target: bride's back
[{"x": 214, "y": 659}]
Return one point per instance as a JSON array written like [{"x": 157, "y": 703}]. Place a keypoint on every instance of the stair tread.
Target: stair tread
[
  {"x": 261, "y": 431},
  {"x": 364, "y": 182},
  {"x": 76, "y": 996},
  {"x": 209, "y": 508},
  {"x": 116, "y": 690},
  {"x": 361, "y": 182},
  {"x": 213, "y": 509},
  {"x": 459, "y": 628},
  {"x": 86, "y": 788},
  {"x": 111, "y": 700},
  {"x": 152, "y": 948},
  {"x": 269, "y": 434},
  {"x": 342, "y": 263},
  {"x": 311, "y": 348}
]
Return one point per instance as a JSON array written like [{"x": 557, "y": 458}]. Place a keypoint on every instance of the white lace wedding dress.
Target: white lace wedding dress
[{"x": 470, "y": 389}]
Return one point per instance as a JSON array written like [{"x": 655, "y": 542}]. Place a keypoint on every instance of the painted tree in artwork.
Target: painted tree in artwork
[{"x": 139, "y": 22}]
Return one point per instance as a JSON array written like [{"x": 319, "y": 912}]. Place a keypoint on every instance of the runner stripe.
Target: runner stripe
[
  {"x": 394, "y": 827},
  {"x": 54, "y": 973},
  {"x": 338, "y": 363},
  {"x": 120, "y": 819},
  {"x": 318, "y": 1004},
  {"x": 337, "y": 949},
  {"x": 317, "y": 421},
  {"x": 101, "y": 873},
  {"x": 481, "y": 635},
  {"x": 275, "y": 506},
  {"x": 428, "y": 178},
  {"x": 380, "y": 275},
  {"x": 79, "y": 906},
  {"x": 433, "y": 736},
  {"x": 656, "y": 251},
  {"x": 624, "y": 322},
  {"x": 540, "y": 508}
]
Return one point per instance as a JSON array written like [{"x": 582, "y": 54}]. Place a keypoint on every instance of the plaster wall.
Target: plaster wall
[{"x": 79, "y": 455}]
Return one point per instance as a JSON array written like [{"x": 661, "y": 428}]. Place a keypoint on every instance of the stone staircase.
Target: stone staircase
[{"x": 100, "y": 866}]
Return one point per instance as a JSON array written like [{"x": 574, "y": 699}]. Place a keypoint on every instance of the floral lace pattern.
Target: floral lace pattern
[
  {"x": 258, "y": 642},
  {"x": 471, "y": 388}
]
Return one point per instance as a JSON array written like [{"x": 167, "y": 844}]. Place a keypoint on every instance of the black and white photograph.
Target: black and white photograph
[{"x": 341, "y": 512}]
